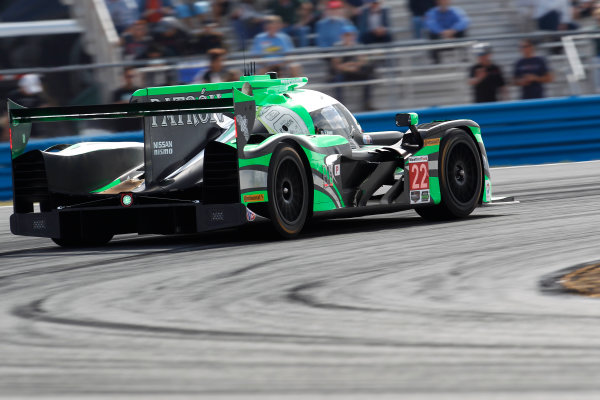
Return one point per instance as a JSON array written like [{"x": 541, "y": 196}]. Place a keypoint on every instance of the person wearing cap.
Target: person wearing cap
[
  {"x": 154, "y": 10},
  {"x": 352, "y": 68},
  {"x": 374, "y": 23},
  {"x": 486, "y": 78},
  {"x": 330, "y": 27},
  {"x": 531, "y": 72}
]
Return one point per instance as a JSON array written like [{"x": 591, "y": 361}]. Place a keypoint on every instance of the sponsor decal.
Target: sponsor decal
[
  {"x": 418, "y": 172},
  {"x": 252, "y": 198},
  {"x": 431, "y": 142},
  {"x": 250, "y": 216},
  {"x": 187, "y": 119},
  {"x": 488, "y": 190},
  {"x": 418, "y": 159},
  {"x": 162, "y": 148},
  {"x": 337, "y": 170},
  {"x": 367, "y": 139},
  {"x": 243, "y": 124}
]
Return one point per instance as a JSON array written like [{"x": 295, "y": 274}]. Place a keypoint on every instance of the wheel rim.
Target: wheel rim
[
  {"x": 289, "y": 191},
  {"x": 461, "y": 170}
]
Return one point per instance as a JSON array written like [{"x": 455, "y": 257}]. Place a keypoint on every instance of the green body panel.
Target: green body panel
[
  {"x": 317, "y": 162},
  {"x": 476, "y": 131},
  {"x": 434, "y": 190},
  {"x": 262, "y": 160},
  {"x": 322, "y": 202},
  {"x": 414, "y": 118}
]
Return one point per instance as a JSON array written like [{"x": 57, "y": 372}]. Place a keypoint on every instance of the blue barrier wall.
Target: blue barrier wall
[{"x": 515, "y": 133}]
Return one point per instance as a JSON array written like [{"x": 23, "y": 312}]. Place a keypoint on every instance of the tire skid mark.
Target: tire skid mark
[
  {"x": 34, "y": 311},
  {"x": 248, "y": 268},
  {"x": 119, "y": 259}
]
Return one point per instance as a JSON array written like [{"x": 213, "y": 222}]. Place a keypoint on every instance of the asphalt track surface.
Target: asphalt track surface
[{"x": 374, "y": 307}]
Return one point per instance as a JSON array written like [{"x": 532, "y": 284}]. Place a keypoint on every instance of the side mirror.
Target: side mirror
[{"x": 409, "y": 119}]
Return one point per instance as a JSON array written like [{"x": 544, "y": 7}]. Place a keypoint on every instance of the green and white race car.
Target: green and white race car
[{"x": 215, "y": 155}]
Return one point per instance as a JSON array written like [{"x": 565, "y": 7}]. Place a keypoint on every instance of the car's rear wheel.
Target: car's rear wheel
[
  {"x": 288, "y": 192},
  {"x": 461, "y": 178},
  {"x": 89, "y": 239}
]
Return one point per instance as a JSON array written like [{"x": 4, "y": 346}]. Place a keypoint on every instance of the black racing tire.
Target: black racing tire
[
  {"x": 78, "y": 240},
  {"x": 461, "y": 178},
  {"x": 288, "y": 192}
]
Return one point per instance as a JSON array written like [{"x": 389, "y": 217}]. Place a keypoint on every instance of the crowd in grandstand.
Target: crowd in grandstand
[
  {"x": 272, "y": 28},
  {"x": 269, "y": 29}
]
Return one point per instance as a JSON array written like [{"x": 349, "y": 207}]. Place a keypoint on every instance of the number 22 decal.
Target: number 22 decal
[{"x": 419, "y": 175}]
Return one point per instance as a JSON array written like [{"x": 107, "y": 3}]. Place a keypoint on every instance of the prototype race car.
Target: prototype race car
[{"x": 215, "y": 155}]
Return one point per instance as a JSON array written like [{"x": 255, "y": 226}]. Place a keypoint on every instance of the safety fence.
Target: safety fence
[{"x": 515, "y": 133}]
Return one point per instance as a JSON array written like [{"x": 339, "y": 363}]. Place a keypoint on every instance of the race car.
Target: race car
[{"x": 215, "y": 155}]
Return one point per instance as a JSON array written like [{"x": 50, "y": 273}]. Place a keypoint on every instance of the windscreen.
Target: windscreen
[{"x": 335, "y": 119}]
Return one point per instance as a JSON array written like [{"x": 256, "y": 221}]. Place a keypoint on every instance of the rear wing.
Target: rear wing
[
  {"x": 20, "y": 118},
  {"x": 173, "y": 130}
]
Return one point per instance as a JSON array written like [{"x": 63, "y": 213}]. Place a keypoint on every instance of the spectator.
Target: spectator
[
  {"x": 486, "y": 77},
  {"x": 247, "y": 21},
  {"x": 418, "y": 9},
  {"x": 307, "y": 19},
  {"x": 154, "y": 10},
  {"x": 30, "y": 94},
  {"x": 124, "y": 13},
  {"x": 272, "y": 43},
  {"x": 216, "y": 71},
  {"x": 171, "y": 36},
  {"x": 583, "y": 8},
  {"x": 191, "y": 12},
  {"x": 209, "y": 38},
  {"x": 122, "y": 95},
  {"x": 330, "y": 28},
  {"x": 352, "y": 68},
  {"x": 374, "y": 23},
  {"x": 220, "y": 9},
  {"x": 531, "y": 72},
  {"x": 288, "y": 11},
  {"x": 554, "y": 15},
  {"x": 445, "y": 22},
  {"x": 136, "y": 40},
  {"x": 355, "y": 8}
]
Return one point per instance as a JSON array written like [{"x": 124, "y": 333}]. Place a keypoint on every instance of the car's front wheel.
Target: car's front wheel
[
  {"x": 461, "y": 178},
  {"x": 288, "y": 192}
]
